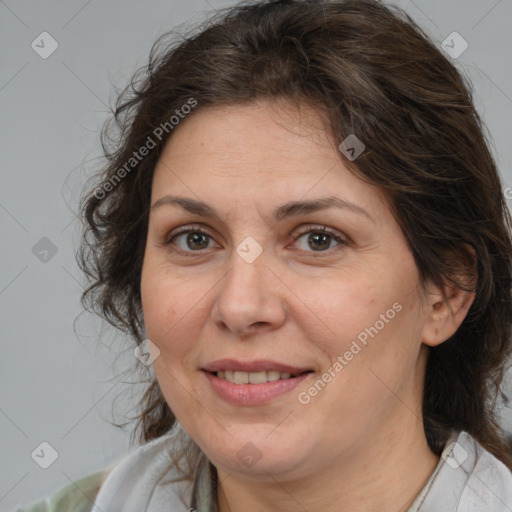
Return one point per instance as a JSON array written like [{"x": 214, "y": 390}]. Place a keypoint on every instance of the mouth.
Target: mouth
[
  {"x": 260, "y": 377},
  {"x": 253, "y": 383},
  {"x": 259, "y": 383}
]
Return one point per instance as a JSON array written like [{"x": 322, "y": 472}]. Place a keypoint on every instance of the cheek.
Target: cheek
[
  {"x": 342, "y": 308},
  {"x": 173, "y": 318},
  {"x": 171, "y": 310},
  {"x": 370, "y": 316}
]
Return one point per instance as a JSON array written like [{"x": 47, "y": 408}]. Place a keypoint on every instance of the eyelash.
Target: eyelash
[{"x": 311, "y": 228}]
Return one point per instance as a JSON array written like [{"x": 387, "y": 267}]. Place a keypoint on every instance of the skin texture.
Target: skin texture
[{"x": 359, "y": 444}]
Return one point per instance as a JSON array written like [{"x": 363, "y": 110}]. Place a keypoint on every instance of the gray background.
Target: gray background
[{"x": 59, "y": 386}]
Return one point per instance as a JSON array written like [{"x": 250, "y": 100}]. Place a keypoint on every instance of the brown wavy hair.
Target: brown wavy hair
[{"x": 374, "y": 73}]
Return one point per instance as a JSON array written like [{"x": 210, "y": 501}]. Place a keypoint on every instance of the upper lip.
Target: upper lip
[{"x": 258, "y": 365}]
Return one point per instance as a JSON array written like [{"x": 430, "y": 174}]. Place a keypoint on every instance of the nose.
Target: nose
[{"x": 250, "y": 298}]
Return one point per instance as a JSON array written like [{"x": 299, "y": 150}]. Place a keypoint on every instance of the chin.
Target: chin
[{"x": 252, "y": 457}]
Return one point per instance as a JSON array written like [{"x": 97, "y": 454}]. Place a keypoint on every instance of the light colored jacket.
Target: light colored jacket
[{"x": 467, "y": 479}]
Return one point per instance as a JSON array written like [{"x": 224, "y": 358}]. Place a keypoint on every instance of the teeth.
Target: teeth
[
  {"x": 251, "y": 377},
  {"x": 241, "y": 378}
]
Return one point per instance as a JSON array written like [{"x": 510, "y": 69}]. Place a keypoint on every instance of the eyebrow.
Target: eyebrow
[{"x": 281, "y": 212}]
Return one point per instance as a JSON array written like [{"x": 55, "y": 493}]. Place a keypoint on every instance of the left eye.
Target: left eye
[{"x": 318, "y": 239}]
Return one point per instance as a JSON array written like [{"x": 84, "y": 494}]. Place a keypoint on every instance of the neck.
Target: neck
[{"x": 385, "y": 474}]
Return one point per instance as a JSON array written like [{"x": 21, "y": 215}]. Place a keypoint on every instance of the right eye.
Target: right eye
[{"x": 191, "y": 240}]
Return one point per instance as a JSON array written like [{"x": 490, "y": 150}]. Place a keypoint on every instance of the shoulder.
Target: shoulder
[
  {"x": 78, "y": 496},
  {"x": 470, "y": 479},
  {"x": 490, "y": 482},
  {"x": 146, "y": 474},
  {"x": 155, "y": 473}
]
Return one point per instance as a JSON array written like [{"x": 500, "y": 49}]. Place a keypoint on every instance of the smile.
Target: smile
[
  {"x": 242, "y": 390},
  {"x": 240, "y": 377}
]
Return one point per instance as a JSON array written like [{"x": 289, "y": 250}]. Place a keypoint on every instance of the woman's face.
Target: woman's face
[{"x": 265, "y": 250}]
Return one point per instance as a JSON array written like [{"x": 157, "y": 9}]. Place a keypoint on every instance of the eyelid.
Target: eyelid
[
  {"x": 341, "y": 239},
  {"x": 196, "y": 228},
  {"x": 320, "y": 228}
]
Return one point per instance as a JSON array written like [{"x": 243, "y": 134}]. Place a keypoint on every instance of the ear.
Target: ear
[
  {"x": 445, "y": 315},
  {"x": 446, "y": 312}
]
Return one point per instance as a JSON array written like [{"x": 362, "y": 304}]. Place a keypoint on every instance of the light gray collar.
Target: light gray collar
[{"x": 467, "y": 479}]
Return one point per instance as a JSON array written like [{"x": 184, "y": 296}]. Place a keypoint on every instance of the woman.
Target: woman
[{"x": 303, "y": 229}]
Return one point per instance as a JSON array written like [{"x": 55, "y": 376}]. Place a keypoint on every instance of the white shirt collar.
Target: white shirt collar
[{"x": 467, "y": 479}]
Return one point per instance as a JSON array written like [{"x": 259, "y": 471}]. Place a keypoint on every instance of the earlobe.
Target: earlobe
[{"x": 445, "y": 313}]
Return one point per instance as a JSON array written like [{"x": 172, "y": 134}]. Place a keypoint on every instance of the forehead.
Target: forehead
[
  {"x": 258, "y": 152},
  {"x": 263, "y": 135}
]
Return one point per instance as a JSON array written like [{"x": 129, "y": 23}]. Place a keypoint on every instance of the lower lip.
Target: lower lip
[{"x": 253, "y": 394}]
